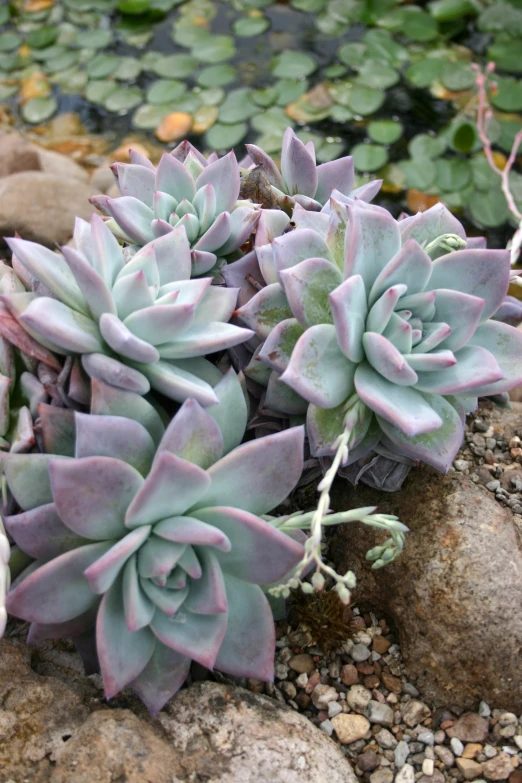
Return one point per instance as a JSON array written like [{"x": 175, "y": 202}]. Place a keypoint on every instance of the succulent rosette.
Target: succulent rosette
[
  {"x": 152, "y": 538},
  {"x": 185, "y": 190},
  {"x": 136, "y": 325},
  {"x": 301, "y": 181},
  {"x": 360, "y": 304}
]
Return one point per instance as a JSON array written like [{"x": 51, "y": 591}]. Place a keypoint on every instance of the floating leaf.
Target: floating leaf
[
  {"x": 463, "y": 136},
  {"x": 508, "y": 94},
  {"x": 448, "y": 10},
  {"x": 7, "y": 91},
  {"x": 71, "y": 81},
  {"x": 204, "y": 118},
  {"x": 381, "y": 46},
  {"x": 310, "y": 6},
  {"x": 102, "y": 65},
  {"x": 365, "y": 100},
  {"x": 165, "y": 91},
  {"x": 425, "y": 146},
  {"x": 175, "y": 66},
  {"x": 39, "y": 109},
  {"x": 457, "y": 76},
  {"x": 9, "y": 41},
  {"x": 418, "y": 25},
  {"x": 385, "y": 131},
  {"x": 272, "y": 120},
  {"x": 215, "y": 49},
  {"x": 221, "y": 137},
  {"x": 488, "y": 208},
  {"x": 334, "y": 71},
  {"x": 394, "y": 179},
  {"x": 217, "y": 76},
  {"x": 99, "y": 90},
  {"x": 377, "y": 74},
  {"x": 174, "y": 127},
  {"x": 506, "y": 55},
  {"x": 508, "y": 129},
  {"x": 423, "y": 73},
  {"x": 330, "y": 150},
  {"x": 270, "y": 142},
  {"x": 212, "y": 96},
  {"x": 189, "y": 103},
  {"x": 484, "y": 178},
  {"x": 289, "y": 90},
  {"x": 149, "y": 116},
  {"x": 453, "y": 174},
  {"x": 340, "y": 114},
  {"x": 291, "y": 64},
  {"x": 250, "y": 26},
  {"x": 420, "y": 173},
  {"x": 238, "y": 106},
  {"x": 352, "y": 54},
  {"x": 134, "y": 6},
  {"x": 312, "y": 106},
  {"x": 369, "y": 157},
  {"x": 265, "y": 96},
  {"x": 128, "y": 70},
  {"x": 123, "y": 99},
  {"x": 95, "y": 39},
  {"x": 42, "y": 37},
  {"x": 61, "y": 63}
]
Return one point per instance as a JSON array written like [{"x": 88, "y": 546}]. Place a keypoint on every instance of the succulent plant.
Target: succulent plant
[
  {"x": 185, "y": 190},
  {"x": 153, "y": 538},
  {"x": 395, "y": 313},
  {"x": 301, "y": 181},
  {"x": 136, "y": 325}
]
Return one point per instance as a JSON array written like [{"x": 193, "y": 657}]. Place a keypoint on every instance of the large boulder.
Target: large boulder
[
  {"x": 17, "y": 155},
  {"x": 42, "y": 207},
  {"x": 453, "y": 594}
]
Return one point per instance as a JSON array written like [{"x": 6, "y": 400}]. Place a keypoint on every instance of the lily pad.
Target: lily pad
[
  {"x": 453, "y": 174},
  {"x": 330, "y": 150},
  {"x": 4, "y": 15},
  {"x": 369, "y": 157},
  {"x": 71, "y": 81},
  {"x": 42, "y": 37},
  {"x": 215, "y": 49},
  {"x": 95, "y": 39},
  {"x": 289, "y": 90},
  {"x": 377, "y": 75},
  {"x": 508, "y": 94},
  {"x": 365, "y": 100},
  {"x": 381, "y": 46},
  {"x": 38, "y": 110},
  {"x": 335, "y": 71},
  {"x": 212, "y": 96},
  {"x": 102, "y": 65},
  {"x": 98, "y": 90},
  {"x": 385, "y": 131},
  {"x": 221, "y": 137},
  {"x": 217, "y": 76},
  {"x": 423, "y": 73},
  {"x": 273, "y": 120},
  {"x": 61, "y": 63},
  {"x": 507, "y": 55},
  {"x": 488, "y": 208},
  {"x": 425, "y": 146},
  {"x": 9, "y": 41},
  {"x": 420, "y": 173},
  {"x": 419, "y": 25},
  {"x": 310, "y": 6},
  {"x": 250, "y": 26},
  {"x": 265, "y": 96},
  {"x": 134, "y": 7},
  {"x": 175, "y": 66},
  {"x": 123, "y": 99},
  {"x": 7, "y": 91},
  {"x": 128, "y": 69},
  {"x": 237, "y": 107},
  {"x": 352, "y": 54},
  {"x": 463, "y": 136},
  {"x": 448, "y": 10},
  {"x": 484, "y": 178},
  {"x": 457, "y": 76},
  {"x": 148, "y": 116},
  {"x": 291, "y": 64},
  {"x": 165, "y": 91}
]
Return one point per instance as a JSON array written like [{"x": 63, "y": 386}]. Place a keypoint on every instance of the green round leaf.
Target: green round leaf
[
  {"x": 9, "y": 41},
  {"x": 418, "y": 25},
  {"x": 448, "y": 10},
  {"x": 420, "y": 173},
  {"x": 365, "y": 100},
  {"x": 99, "y": 90},
  {"x": 508, "y": 130},
  {"x": 212, "y": 96},
  {"x": 289, "y": 90},
  {"x": 237, "y": 107},
  {"x": 217, "y": 76},
  {"x": 4, "y": 14},
  {"x": 463, "y": 137},
  {"x": 94, "y": 39},
  {"x": 128, "y": 69},
  {"x": 335, "y": 71},
  {"x": 7, "y": 91},
  {"x": 102, "y": 65},
  {"x": 165, "y": 91},
  {"x": 311, "y": 6},
  {"x": 71, "y": 81},
  {"x": 484, "y": 178},
  {"x": 507, "y": 55},
  {"x": 134, "y": 7},
  {"x": 425, "y": 146},
  {"x": 189, "y": 102},
  {"x": 293, "y": 65},
  {"x": 270, "y": 142},
  {"x": 44, "y": 36},
  {"x": 61, "y": 63},
  {"x": 221, "y": 137},
  {"x": 453, "y": 174},
  {"x": 148, "y": 117},
  {"x": 369, "y": 157},
  {"x": 273, "y": 120},
  {"x": 508, "y": 95},
  {"x": 423, "y": 73},
  {"x": 457, "y": 76},
  {"x": 330, "y": 150},
  {"x": 175, "y": 66},
  {"x": 38, "y": 110},
  {"x": 340, "y": 114},
  {"x": 215, "y": 49},
  {"x": 488, "y": 208},
  {"x": 381, "y": 46},
  {"x": 352, "y": 54},
  {"x": 265, "y": 96},
  {"x": 250, "y": 26},
  {"x": 385, "y": 131},
  {"x": 377, "y": 75},
  {"x": 123, "y": 99}
]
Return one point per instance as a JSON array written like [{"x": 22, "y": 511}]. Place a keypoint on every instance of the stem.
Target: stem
[{"x": 5, "y": 576}]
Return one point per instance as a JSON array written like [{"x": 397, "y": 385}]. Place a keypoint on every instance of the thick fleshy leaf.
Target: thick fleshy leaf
[
  {"x": 104, "y": 571},
  {"x": 421, "y": 305},
  {"x": 93, "y": 287},
  {"x": 65, "y": 327},
  {"x": 298, "y": 166},
  {"x": 124, "y": 342},
  {"x": 334, "y": 175},
  {"x": 260, "y": 553},
  {"x": 350, "y": 308},
  {"x": 158, "y": 557},
  {"x": 145, "y": 261},
  {"x": 260, "y": 158},
  {"x": 480, "y": 273},
  {"x": 204, "y": 202},
  {"x": 115, "y": 373},
  {"x": 380, "y": 313},
  {"x": 427, "y": 226},
  {"x": 28, "y": 478},
  {"x": 161, "y": 323},
  {"x": 433, "y": 335},
  {"x": 462, "y": 312},
  {"x": 177, "y": 383},
  {"x": 173, "y": 178},
  {"x": 40, "y": 632},
  {"x": 58, "y": 430},
  {"x": 282, "y": 398},
  {"x": 51, "y": 270},
  {"x": 402, "y": 406},
  {"x": 193, "y": 435},
  {"x": 296, "y": 246},
  {"x": 114, "y": 436},
  {"x": 139, "y": 609},
  {"x": 161, "y": 678},
  {"x": 202, "y": 262},
  {"x": 133, "y": 216},
  {"x": 265, "y": 310},
  {"x": 272, "y": 224},
  {"x": 93, "y": 494},
  {"x": 16, "y": 335},
  {"x": 247, "y": 649},
  {"x": 203, "y": 339},
  {"x": 108, "y": 401},
  {"x": 243, "y": 221},
  {"x": 278, "y": 346},
  {"x": 399, "y": 333},
  {"x": 172, "y": 486},
  {"x": 372, "y": 240},
  {"x": 218, "y": 304},
  {"x": 132, "y": 292},
  {"x": 41, "y": 534},
  {"x": 231, "y": 411},
  {"x": 318, "y": 370},
  {"x": 172, "y": 252},
  {"x": 308, "y": 286},
  {"x": 216, "y": 236},
  {"x": 207, "y": 595},
  {"x": 387, "y": 360},
  {"x": 412, "y": 267},
  {"x": 438, "y": 448},
  {"x": 82, "y": 237},
  {"x": 137, "y": 181},
  {"x": 123, "y": 654},
  {"x": 430, "y": 362},
  {"x": 198, "y": 636},
  {"x": 257, "y": 475},
  {"x": 223, "y": 175},
  {"x": 505, "y": 344},
  {"x": 56, "y": 591},
  {"x": 107, "y": 255},
  {"x": 324, "y": 426},
  {"x": 190, "y": 530},
  {"x": 475, "y": 367}
]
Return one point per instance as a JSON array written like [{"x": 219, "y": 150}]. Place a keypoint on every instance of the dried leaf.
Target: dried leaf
[
  {"x": 420, "y": 201},
  {"x": 174, "y": 126}
]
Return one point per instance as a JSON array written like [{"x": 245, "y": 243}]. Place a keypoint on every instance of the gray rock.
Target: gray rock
[
  {"x": 457, "y": 746},
  {"x": 401, "y": 753},
  {"x": 405, "y": 775},
  {"x": 358, "y": 698},
  {"x": 360, "y": 652},
  {"x": 386, "y": 739},
  {"x": 445, "y": 755},
  {"x": 426, "y": 737},
  {"x": 380, "y": 713},
  {"x": 438, "y": 597},
  {"x": 381, "y": 775},
  {"x": 484, "y": 710},
  {"x": 42, "y": 207},
  {"x": 414, "y": 712}
]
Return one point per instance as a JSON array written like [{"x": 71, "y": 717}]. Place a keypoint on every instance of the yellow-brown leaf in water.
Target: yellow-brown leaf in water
[
  {"x": 32, "y": 6},
  {"x": 500, "y": 160},
  {"x": 204, "y": 118},
  {"x": 24, "y": 50},
  {"x": 516, "y": 291},
  {"x": 174, "y": 126},
  {"x": 418, "y": 201},
  {"x": 34, "y": 86}
]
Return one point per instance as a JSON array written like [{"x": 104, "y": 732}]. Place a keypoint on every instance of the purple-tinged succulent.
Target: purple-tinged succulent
[
  {"x": 154, "y": 541},
  {"x": 136, "y": 325},
  {"x": 358, "y": 303},
  {"x": 185, "y": 190},
  {"x": 302, "y": 182}
]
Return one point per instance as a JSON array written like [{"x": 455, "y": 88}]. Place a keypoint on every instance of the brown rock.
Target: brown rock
[
  {"x": 349, "y": 674},
  {"x": 498, "y": 768},
  {"x": 459, "y": 576},
  {"x": 471, "y": 750},
  {"x": 381, "y": 645},
  {"x": 469, "y": 728},
  {"x": 350, "y": 728},
  {"x": 60, "y": 166},
  {"x": 469, "y": 768},
  {"x": 437, "y": 777},
  {"x": 515, "y": 777},
  {"x": 42, "y": 207},
  {"x": 102, "y": 179},
  {"x": 17, "y": 155},
  {"x": 368, "y": 761},
  {"x": 415, "y": 712},
  {"x": 393, "y": 684},
  {"x": 302, "y": 663}
]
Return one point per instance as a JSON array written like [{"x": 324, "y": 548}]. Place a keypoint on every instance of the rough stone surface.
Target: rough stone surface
[
  {"x": 42, "y": 206},
  {"x": 350, "y": 728},
  {"x": 17, "y": 155},
  {"x": 469, "y": 728},
  {"x": 459, "y": 577},
  {"x": 61, "y": 166},
  {"x": 498, "y": 768}
]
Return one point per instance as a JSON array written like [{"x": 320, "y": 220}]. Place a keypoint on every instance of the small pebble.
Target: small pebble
[
  {"x": 428, "y": 767},
  {"x": 334, "y": 708},
  {"x": 484, "y": 710},
  {"x": 401, "y": 753},
  {"x": 360, "y": 652},
  {"x": 380, "y": 713},
  {"x": 461, "y": 464},
  {"x": 327, "y": 727},
  {"x": 456, "y": 746},
  {"x": 406, "y": 774},
  {"x": 426, "y": 737}
]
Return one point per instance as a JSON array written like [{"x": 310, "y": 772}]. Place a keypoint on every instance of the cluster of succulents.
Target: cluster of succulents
[{"x": 140, "y": 508}]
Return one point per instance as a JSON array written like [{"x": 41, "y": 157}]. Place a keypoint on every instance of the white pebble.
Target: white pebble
[
  {"x": 334, "y": 708},
  {"x": 427, "y": 767},
  {"x": 456, "y": 746},
  {"x": 327, "y": 727},
  {"x": 484, "y": 710},
  {"x": 406, "y": 774},
  {"x": 302, "y": 680}
]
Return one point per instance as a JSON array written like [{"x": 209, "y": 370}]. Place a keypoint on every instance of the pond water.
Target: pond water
[{"x": 390, "y": 82}]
